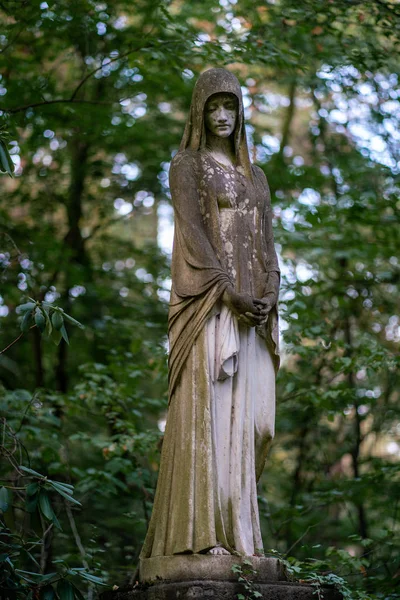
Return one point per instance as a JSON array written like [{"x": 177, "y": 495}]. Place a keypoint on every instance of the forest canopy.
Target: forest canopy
[{"x": 93, "y": 101}]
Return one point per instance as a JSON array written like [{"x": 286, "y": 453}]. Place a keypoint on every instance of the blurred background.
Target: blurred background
[{"x": 93, "y": 101}]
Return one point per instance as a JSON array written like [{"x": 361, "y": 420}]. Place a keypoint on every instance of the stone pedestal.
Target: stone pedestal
[
  {"x": 204, "y": 577},
  {"x": 219, "y": 590},
  {"x": 204, "y": 567}
]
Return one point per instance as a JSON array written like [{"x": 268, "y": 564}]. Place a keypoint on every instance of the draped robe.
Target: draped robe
[{"x": 221, "y": 372}]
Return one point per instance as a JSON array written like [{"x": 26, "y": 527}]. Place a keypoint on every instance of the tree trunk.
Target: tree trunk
[
  {"x": 287, "y": 123},
  {"x": 75, "y": 244}
]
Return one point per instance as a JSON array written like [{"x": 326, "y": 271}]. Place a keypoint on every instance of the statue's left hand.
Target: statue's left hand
[
  {"x": 270, "y": 297},
  {"x": 264, "y": 306}
]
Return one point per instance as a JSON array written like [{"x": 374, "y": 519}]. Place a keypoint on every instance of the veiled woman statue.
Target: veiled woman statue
[{"x": 223, "y": 332}]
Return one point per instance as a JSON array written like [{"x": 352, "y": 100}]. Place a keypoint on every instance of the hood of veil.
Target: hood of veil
[{"x": 216, "y": 81}]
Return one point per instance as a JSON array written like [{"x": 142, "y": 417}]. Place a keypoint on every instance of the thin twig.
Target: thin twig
[
  {"x": 16, "y": 340},
  {"x": 79, "y": 544},
  {"x": 10, "y": 43},
  {"x": 25, "y": 411},
  {"x": 91, "y": 73},
  {"x": 301, "y": 537},
  {"x": 76, "y": 535},
  {"x": 60, "y": 101}
]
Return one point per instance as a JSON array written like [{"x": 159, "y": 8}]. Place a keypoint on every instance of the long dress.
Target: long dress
[{"x": 222, "y": 373}]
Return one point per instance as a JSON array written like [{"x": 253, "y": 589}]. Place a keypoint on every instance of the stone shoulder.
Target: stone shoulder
[
  {"x": 259, "y": 173},
  {"x": 185, "y": 158}
]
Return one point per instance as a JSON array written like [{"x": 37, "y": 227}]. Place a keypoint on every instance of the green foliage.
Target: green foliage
[
  {"x": 48, "y": 319},
  {"x": 6, "y": 164},
  {"x": 93, "y": 98},
  {"x": 245, "y": 574}
]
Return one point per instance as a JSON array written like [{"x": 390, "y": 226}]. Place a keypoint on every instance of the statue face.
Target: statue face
[{"x": 220, "y": 114}]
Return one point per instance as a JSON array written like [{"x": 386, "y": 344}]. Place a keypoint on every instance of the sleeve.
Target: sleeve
[{"x": 195, "y": 266}]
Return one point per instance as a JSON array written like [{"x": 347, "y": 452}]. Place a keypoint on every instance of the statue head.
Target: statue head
[{"x": 212, "y": 88}]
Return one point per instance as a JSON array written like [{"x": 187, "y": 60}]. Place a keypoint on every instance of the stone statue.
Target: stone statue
[{"x": 223, "y": 332}]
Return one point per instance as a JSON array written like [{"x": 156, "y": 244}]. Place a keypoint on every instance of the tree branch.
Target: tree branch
[
  {"x": 72, "y": 98},
  {"x": 16, "y": 340},
  {"x": 91, "y": 73},
  {"x": 10, "y": 43},
  {"x": 46, "y": 102}
]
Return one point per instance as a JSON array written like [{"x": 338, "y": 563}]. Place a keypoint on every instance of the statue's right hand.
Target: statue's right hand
[{"x": 242, "y": 305}]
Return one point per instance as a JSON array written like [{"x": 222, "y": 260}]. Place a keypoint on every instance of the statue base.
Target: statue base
[
  {"x": 206, "y": 577},
  {"x": 199, "y": 567},
  {"x": 220, "y": 590}
]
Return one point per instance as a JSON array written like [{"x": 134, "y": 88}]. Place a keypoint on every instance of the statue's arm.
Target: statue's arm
[
  {"x": 195, "y": 265},
  {"x": 188, "y": 218},
  {"x": 272, "y": 271}
]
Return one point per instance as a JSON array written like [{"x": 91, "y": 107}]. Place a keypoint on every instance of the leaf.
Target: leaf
[
  {"x": 57, "y": 337},
  {"x": 65, "y": 590},
  {"x": 31, "y": 503},
  {"x": 31, "y": 471},
  {"x": 66, "y": 486},
  {"x": 77, "y": 593},
  {"x": 64, "y": 334},
  {"x": 6, "y": 164},
  {"x": 49, "y": 327},
  {"x": 73, "y": 321},
  {"x": 66, "y": 495},
  {"x": 26, "y": 321},
  {"x": 91, "y": 578},
  {"x": 4, "y": 499},
  {"x": 47, "y": 510},
  {"x": 32, "y": 488},
  {"x": 30, "y": 556},
  {"x": 45, "y": 506},
  {"x": 40, "y": 320},
  {"x": 26, "y": 306},
  {"x": 57, "y": 320},
  {"x": 236, "y": 568},
  {"x": 37, "y": 576}
]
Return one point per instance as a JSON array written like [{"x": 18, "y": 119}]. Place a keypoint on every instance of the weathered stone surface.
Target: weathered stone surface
[
  {"x": 207, "y": 567},
  {"x": 218, "y": 590},
  {"x": 223, "y": 336}
]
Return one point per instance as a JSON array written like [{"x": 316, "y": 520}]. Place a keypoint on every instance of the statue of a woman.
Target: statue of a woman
[{"x": 223, "y": 332}]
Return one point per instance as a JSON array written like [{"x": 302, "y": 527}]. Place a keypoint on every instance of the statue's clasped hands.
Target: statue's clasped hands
[{"x": 251, "y": 311}]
